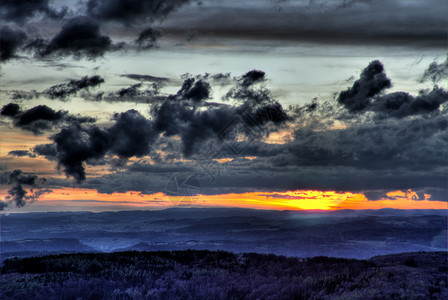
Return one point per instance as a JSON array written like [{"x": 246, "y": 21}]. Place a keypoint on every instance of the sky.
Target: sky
[{"x": 268, "y": 104}]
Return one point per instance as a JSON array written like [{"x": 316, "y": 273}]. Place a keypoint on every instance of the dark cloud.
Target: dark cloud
[
  {"x": 17, "y": 195},
  {"x": 132, "y": 11},
  {"x": 179, "y": 115},
  {"x": 431, "y": 194},
  {"x": 131, "y": 91},
  {"x": 252, "y": 77},
  {"x": 136, "y": 93},
  {"x": 375, "y": 195},
  {"x": 79, "y": 37},
  {"x": 75, "y": 144},
  {"x": 40, "y": 118},
  {"x": 131, "y": 135},
  {"x": 11, "y": 40},
  {"x": 401, "y": 104},
  {"x": 242, "y": 175},
  {"x": 24, "y": 95},
  {"x": 21, "y": 153},
  {"x": 399, "y": 142},
  {"x": 148, "y": 38},
  {"x": 64, "y": 90},
  {"x": 196, "y": 90},
  {"x": 326, "y": 22},
  {"x": 141, "y": 77},
  {"x": 373, "y": 81},
  {"x": 61, "y": 91},
  {"x": 221, "y": 78},
  {"x": 366, "y": 94},
  {"x": 47, "y": 150},
  {"x": 376, "y": 145},
  {"x": 184, "y": 114},
  {"x": 436, "y": 71},
  {"x": 10, "y": 110},
  {"x": 20, "y": 11}
]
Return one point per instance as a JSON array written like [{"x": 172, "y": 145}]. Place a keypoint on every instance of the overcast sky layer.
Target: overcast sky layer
[{"x": 109, "y": 104}]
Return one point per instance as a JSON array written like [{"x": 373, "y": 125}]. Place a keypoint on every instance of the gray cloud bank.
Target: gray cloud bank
[
  {"x": 82, "y": 30},
  {"x": 365, "y": 140}
]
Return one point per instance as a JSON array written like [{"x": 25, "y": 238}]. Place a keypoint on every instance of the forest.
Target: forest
[{"x": 203, "y": 274}]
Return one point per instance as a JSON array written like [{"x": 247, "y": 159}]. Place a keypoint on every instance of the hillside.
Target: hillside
[
  {"x": 196, "y": 274},
  {"x": 350, "y": 234}
]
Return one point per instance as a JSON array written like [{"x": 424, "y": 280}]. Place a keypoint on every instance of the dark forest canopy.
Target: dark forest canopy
[{"x": 223, "y": 275}]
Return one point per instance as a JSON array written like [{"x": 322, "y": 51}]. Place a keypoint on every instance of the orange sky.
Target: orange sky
[{"x": 291, "y": 200}]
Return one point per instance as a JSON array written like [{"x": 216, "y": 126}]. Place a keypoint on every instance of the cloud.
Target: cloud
[
  {"x": 397, "y": 141},
  {"x": 367, "y": 94},
  {"x": 40, "y": 118},
  {"x": 381, "y": 22},
  {"x": 142, "y": 77},
  {"x": 148, "y": 38},
  {"x": 11, "y": 41},
  {"x": 17, "y": 195},
  {"x": 436, "y": 71},
  {"x": 24, "y": 95},
  {"x": 252, "y": 77},
  {"x": 47, "y": 150},
  {"x": 21, "y": 153},
  {"x": 62, "y": 91},
  {"x": 179, "y": 115},
  {"x": 401, "y": 104},
  {"x": 22, "y": 10},
  {"x": 196, "y": 90},
  {"x": 133, "y": 11},
  {"x": 10, "y": 110},
  {"x": 131, "y": 135},
  {"x": 431, "y": 194},
  {"x": 373, "y": 81},
  {"x": 74, "y": 145},
  {"x": 134, "y": 93},
  {"x": 79, "y": 37},
  {"x": 184, "y": 114}
]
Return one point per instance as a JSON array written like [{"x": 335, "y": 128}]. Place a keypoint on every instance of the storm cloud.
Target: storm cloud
[
  {"x": 17, "y": 195},
  {"x": 11, "y": 41},
  {"x": 367, "y": 94},
  {"x": 183, "y": 114},
  {"x": 148, "y": 38},
  {"x": 80, "y": 37},
  {"x": 436, "y": 71},
  {"x": 145, "y": 77},
  {"x": 21, "y": 11},
  {"x": 133, "y": 11},
  {"x": 46, "y": 150},
  {"x": 40, "y": 118},
  {"x": 379, "y": 22},
  {"x": 21, "y": 153},
  {"x": 393, "y": 141},
  {"x": 64, "y": 90},
  {"x": 131, "y": 135},
  {"x": 401, "y": 104},
  {"x": 373, "y": 81}
]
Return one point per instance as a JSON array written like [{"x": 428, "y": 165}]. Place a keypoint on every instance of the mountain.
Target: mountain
[
  {"x": 28, "y": 247},
  {"x": 346, "y": 233}
]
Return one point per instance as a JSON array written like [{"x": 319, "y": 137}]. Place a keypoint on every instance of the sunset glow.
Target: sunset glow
[{"x": 291, "y": 200}]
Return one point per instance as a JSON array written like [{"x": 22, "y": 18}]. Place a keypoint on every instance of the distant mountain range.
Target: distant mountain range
[{"x": 344, "y": 233}]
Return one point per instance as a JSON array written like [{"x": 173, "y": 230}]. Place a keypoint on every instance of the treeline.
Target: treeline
[{"x": 195, "y": 274}]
